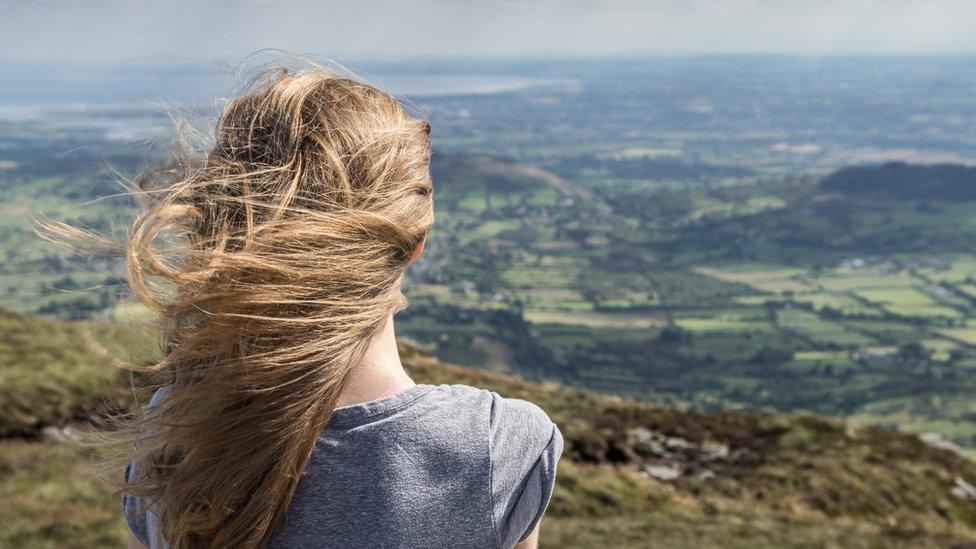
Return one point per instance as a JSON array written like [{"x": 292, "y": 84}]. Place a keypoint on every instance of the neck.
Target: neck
[{"x": 379, "y": 371}]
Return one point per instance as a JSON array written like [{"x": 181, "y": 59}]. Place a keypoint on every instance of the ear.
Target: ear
[{"x": 417, "y": 250}]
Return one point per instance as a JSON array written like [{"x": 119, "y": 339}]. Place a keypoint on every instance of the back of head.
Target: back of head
[{"x": 297, "y": 227}]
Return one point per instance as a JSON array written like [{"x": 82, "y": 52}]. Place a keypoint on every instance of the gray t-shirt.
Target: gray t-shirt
[{"x": 433, "y": 466}]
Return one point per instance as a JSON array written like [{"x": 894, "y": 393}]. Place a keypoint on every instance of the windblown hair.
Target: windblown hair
[{"x": 297, "y": 227}]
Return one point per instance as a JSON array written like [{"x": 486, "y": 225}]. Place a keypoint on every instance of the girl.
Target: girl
[{"x": 285, "y": 417}]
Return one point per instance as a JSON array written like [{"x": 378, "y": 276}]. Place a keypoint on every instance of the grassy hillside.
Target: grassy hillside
[
  {"x": 632, "y": 475},
  {"x": 54, "y": 372}
]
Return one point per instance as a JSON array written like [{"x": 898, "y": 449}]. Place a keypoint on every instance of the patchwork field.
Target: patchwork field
[{"x": 670, "y": 282}]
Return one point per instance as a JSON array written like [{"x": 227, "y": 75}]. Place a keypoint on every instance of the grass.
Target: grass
[
  {"x": 48, "y": 498},
  {"x": 595, "y": 320},
  {"x": 864, "y": 279},
  {"x": 810, "y": 325},
  {"x": 723, "y": 320},
  {"x": 907, "y": 301},
  {"x": 531, "y": 277},
  {"x": 844, "y": 304},
  {"x": 820, "y": 356},
  {"x": 560, "y": 299},
  {"x": 888, "y": 329},
  {"x": 960, "y": 268},
  {"x": 965, "y": 334},
  {"x": 52, "y": 372},
  {"x": 765, "y": 278},
  {"x": 722, "y": 210},
  {"x": 491, "y": 229}
]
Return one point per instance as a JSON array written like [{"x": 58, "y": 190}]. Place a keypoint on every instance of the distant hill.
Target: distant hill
[
  {"x": 885, "y": 210},
  {"x": 905, "y": 181},
  {"x": 633, "y": 475},
  {"x": 461, "y": 177}
]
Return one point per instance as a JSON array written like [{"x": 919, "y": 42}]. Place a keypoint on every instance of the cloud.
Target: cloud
[{"x": 223, "y": 29}]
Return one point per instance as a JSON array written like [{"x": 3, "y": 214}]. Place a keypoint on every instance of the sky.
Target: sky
[{"x": 221, "y": 30}]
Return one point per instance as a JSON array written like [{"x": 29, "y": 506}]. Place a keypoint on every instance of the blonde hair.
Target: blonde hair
[{"x": 297, "y": 227}]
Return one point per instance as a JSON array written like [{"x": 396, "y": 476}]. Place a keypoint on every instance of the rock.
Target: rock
[
  {"x": 646, "y": 442},
  {"x": 676, "y": 443},
  {"x": 53, "y": 434},
  {"x": 936, "y": 440},
  {"x": 706, "y": 474},
  {"x": 963, "y": 490},
  {"x": 664, "y": 472},
  {"x": 71, "y": 433},
  {"x": 742, "y": 456},
  {"x": 641, "y": 435},
  {"x": 712, "y": 451}
]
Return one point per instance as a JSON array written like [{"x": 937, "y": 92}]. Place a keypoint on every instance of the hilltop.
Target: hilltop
[
  {"x": 899, "y": 180},
  {"x": 633, "y": 474}
]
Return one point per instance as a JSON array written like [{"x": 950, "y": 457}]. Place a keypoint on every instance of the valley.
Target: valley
[{"x": 607, "y": 234}]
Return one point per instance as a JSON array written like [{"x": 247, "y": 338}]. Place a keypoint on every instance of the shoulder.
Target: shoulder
[
  {"x": 514, "y": 425},
  {"x": 514, "y": 421},
  {"x": 462, "y": 406},
  {"x": 461, "y": 394},
  {"x": 520, "y": 435},
  {"x": 525, "y": 447}
]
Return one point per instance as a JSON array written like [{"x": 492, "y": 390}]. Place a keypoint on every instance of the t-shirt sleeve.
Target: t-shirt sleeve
[
  {"x": 525, "y": 447},
  {"x": 135, "y": 514},
  {"x": 134, "y": 507}
]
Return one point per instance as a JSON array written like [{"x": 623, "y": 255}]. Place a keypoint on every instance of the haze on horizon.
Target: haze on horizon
[{"x": 126, "y": 31}]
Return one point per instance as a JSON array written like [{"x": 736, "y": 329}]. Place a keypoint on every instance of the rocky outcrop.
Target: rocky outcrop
[{"x": 669, "y": 457}]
